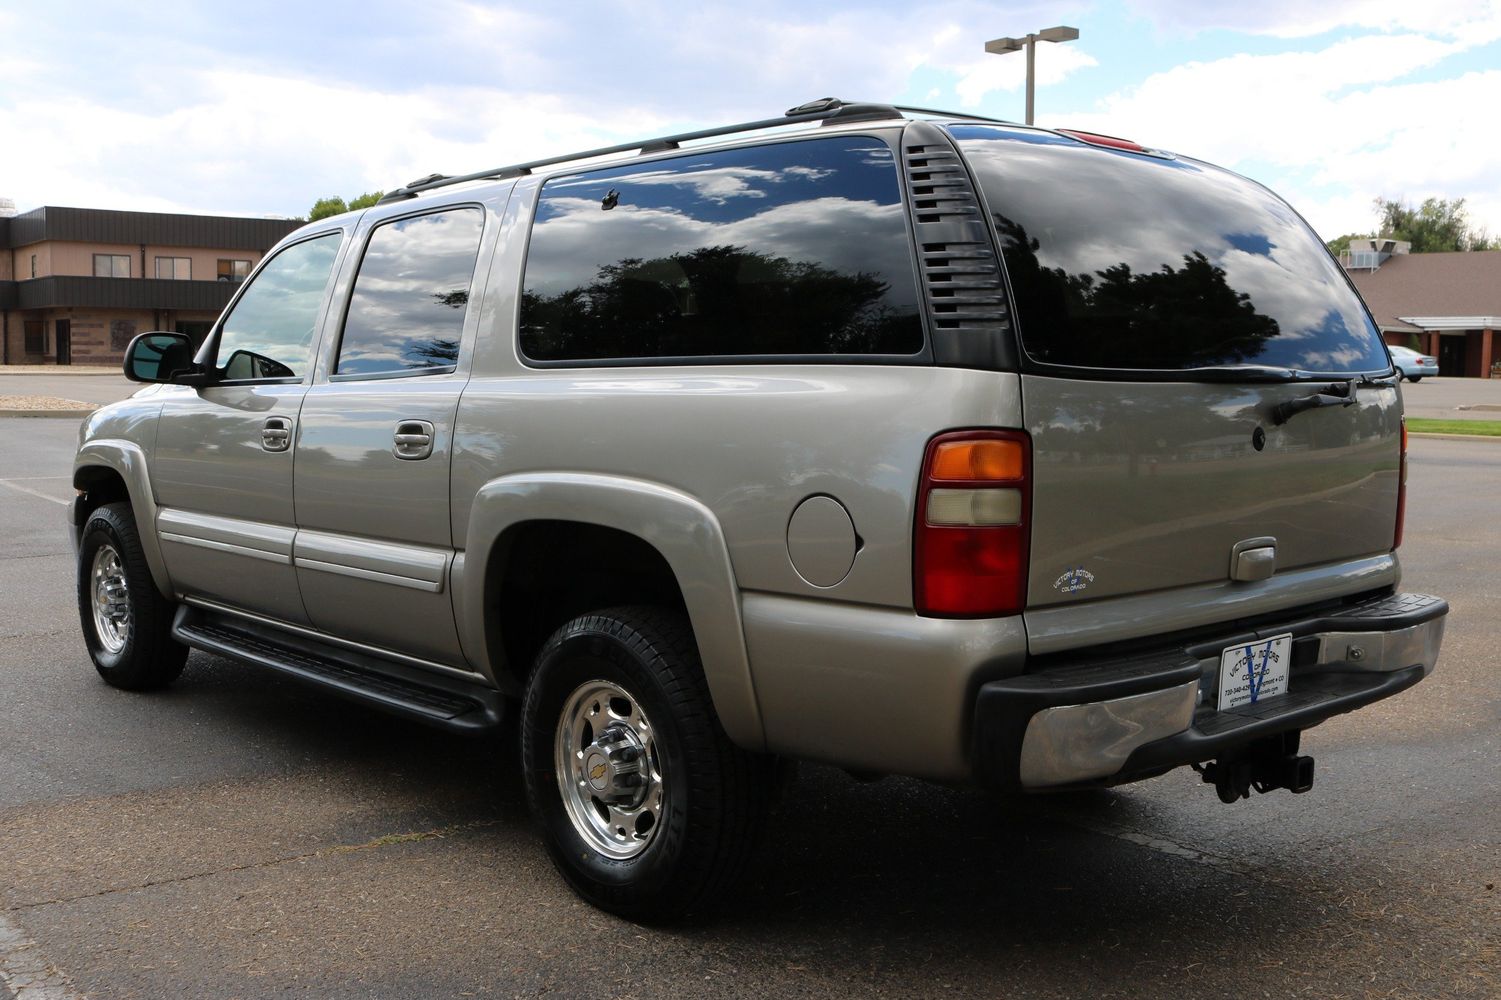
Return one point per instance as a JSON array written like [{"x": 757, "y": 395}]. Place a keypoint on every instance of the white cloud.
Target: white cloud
[
  {"x": 1009, "y": 72},
  {"x": 250, "y": 124},
  {"x": 1301, "y": 19},
  {"x": 261, "y": 144},
  {"x": 1327, "y": 118}
]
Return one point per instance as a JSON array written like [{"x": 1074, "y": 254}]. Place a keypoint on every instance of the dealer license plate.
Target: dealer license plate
[{"x": 1254, "y": 671}]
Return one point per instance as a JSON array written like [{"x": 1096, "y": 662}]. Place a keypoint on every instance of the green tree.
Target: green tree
[
  {"x": 324, "y": 207},
  {"x": 1341, "y": 244},
  {"x": 1438, "y": 225}
]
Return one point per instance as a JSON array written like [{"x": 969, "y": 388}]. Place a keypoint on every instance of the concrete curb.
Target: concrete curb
[
  {"x": 63, "y": 370},
  {"x": 77, "y": 414},
  {"x": 1455, "y": 437}
]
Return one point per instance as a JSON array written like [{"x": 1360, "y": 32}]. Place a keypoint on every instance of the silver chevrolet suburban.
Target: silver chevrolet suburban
[{"x": 905, "y": 441}]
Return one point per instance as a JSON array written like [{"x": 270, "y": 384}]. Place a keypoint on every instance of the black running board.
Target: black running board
[{"x": 450, "y": 703}]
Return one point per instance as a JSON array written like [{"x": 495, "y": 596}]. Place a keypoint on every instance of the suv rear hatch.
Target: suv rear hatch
[{"x": 1165, "y": 308}]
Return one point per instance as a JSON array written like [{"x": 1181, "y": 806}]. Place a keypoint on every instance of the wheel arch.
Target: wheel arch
[
  {"x": 109, "y": 470},
  {"x": 623, "y": 515}
]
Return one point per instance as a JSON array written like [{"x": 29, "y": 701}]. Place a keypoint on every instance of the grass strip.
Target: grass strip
[{"x": 1481, "y": 428}]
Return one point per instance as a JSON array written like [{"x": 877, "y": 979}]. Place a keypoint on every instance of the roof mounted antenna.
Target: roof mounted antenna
[{"x": 829, "y": 110}]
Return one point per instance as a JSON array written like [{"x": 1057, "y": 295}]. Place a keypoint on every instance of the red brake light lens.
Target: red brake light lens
[
  {"x": 1096, "y": 139},
  {"x": 970, "y": 555}
]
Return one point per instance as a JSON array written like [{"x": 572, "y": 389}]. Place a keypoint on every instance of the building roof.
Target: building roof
[
  {"x": 98, "y": 225},
  {"x": 1426, "y": 291}
]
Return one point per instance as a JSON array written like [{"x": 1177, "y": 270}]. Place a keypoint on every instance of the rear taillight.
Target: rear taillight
[
  {"x": 969, "y": 556},
  {"x": 1401, "y": 488}
]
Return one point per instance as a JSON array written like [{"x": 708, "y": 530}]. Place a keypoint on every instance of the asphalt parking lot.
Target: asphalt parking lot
[{"x": 239, "y": 836}]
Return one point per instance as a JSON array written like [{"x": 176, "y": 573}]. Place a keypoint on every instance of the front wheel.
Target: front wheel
[
  {"x": 126, "y": 622},
  {"x": 648, "y": 810}
]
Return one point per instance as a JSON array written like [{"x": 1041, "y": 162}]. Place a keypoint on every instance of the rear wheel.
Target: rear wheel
[
  {"x": 1416, "y": 378},
  {"x": 647, "y": 808},
  {"x": 126, "y": 622}
]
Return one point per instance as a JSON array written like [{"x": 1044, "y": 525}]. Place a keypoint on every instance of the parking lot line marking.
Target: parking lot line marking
[
  {"x": 24, "y": 972},
  {"x": 36, "y": 493},
  {"x": 27, "y": 479}
]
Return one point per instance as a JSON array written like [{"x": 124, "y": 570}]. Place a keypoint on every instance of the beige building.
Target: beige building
[{"x": 77, "y": 284}]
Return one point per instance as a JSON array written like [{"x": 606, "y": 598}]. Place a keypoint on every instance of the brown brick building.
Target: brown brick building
[
  {"x": 1444, "y": 304},
  {"x": 76, "y": 284}
]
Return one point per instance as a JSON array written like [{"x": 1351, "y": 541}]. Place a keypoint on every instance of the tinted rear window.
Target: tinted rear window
[
  {"x": 1120, "y": 260},
  {"x": 788, "y": 249}
]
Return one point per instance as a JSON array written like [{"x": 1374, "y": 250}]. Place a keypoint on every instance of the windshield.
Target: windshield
[{"x": 1122, "y": 260}]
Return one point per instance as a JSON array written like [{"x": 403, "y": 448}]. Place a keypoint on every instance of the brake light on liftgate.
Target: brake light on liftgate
[{"x": 970, "y": 543}]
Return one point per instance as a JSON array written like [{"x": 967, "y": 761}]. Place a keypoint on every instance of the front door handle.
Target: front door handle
[
  {"x": 414, "y": 440},
  {"x": 276, "y": 433}
]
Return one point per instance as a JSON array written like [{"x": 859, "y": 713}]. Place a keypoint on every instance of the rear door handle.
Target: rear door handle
[
  {"x": 276, "y": 434},
  {"x": 414, "y": 440}
]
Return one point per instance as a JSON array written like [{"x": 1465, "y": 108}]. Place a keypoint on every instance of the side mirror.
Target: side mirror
[{"x": 163, "y": 357}]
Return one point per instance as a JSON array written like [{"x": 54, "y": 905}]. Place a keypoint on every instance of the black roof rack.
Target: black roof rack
[{"x": 829, "y": 110}]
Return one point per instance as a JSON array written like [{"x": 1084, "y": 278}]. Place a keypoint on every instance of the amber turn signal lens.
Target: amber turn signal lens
[{"x": 984, "y": 460}]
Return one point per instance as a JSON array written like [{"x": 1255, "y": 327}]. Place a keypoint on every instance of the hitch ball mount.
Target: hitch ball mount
[{"x": 1265, "y": 765}]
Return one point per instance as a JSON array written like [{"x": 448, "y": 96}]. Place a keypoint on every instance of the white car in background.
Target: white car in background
[{"x": 1411, "y": 365}]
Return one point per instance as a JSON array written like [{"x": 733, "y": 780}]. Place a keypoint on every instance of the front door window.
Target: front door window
[{"x": 268, "y": 334}]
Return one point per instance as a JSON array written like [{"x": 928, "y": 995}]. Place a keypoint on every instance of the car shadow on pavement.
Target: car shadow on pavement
[{"x": 900, "y": 884}]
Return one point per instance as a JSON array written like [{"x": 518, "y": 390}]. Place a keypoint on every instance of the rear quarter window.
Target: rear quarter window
[
  {"x": 1125, "y": 261},
  {"x": 793, "y": 249}
]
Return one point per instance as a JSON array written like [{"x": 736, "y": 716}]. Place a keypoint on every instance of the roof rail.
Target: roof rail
[
  {"x": 827, "y": 110},
  {"x": 906, "y": 110}
]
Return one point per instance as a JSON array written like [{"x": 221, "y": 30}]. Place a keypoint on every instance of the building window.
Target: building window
[
  {"x": 36, "y": 338},
  {"x": 234, "y": 270},
  {"x": 33, "y": 265},
  {"x": 111, "y": 265},
  {"x": 179, "y": 268}
]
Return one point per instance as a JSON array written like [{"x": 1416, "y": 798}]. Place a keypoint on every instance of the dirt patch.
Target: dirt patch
[{"x": 45, "y": 403}]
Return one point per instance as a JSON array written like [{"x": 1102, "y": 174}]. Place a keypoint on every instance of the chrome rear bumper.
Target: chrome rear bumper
[{"x": 1105, "y": 721}]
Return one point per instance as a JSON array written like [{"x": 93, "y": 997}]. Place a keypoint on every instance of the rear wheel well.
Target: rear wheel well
[{"x": 545, "y": 573}]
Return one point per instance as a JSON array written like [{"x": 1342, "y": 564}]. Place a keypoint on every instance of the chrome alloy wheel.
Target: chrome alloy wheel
[
  {"x": 111, "y": 599},
  {"x": 608, "y": 770}
]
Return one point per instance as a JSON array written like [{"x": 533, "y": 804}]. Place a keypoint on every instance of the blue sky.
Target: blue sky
[{"x": 260, "y": 109}]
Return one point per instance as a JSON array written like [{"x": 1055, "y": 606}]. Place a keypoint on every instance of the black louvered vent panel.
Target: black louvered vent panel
[{"x": 961, "y": 277}]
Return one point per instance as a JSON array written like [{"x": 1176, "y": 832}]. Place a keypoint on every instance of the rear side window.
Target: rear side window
[
  {"x": 406, "y": 312},
  {"x": 790, "y": 249},
  {"x": 1121, "y": 260}
]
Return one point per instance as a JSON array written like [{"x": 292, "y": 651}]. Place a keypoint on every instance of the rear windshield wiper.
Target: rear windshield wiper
[
  {"x": 1272, "y": 373},
  {"x": 1334, "y": 394}
]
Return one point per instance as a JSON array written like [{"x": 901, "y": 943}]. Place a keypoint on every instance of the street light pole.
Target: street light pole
[{"x": 1000, "y": 46}]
